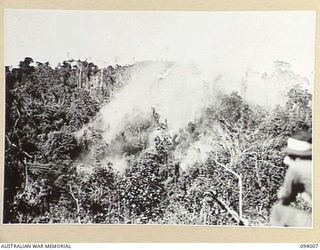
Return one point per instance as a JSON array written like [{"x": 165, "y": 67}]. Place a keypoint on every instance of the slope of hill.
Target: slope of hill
[{"x": 146, "y": 143}]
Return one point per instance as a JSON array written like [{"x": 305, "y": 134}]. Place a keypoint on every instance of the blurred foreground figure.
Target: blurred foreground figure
[{"x": 298, "y": 180}]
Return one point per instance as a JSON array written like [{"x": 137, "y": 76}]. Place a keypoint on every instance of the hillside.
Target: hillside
[{"x": 146, "y": 143}]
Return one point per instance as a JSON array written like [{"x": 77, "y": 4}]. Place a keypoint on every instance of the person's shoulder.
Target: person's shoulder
[
  {"x": 301, "y": 166},
  {"x": 303, "y": 163}
]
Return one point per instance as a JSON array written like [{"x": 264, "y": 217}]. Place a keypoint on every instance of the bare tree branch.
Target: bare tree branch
[
  {"x": 233, "y": 213},
  {"x": 77, "y": 203},
  {"x": 239, "y": 177}
]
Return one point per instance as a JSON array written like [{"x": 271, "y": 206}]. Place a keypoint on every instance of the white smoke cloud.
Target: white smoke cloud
[
  {"x": 179, "y": 94},
  {"x": 176, "y": 91},
  {"x": 196, "y": 152},
  {"x": 119, "y": 163}
]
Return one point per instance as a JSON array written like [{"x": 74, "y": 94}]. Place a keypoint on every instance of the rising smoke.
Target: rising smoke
[{"x": 178, "y": 93}]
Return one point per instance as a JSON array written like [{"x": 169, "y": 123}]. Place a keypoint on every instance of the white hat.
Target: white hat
[{"x": 299, "y": 144}]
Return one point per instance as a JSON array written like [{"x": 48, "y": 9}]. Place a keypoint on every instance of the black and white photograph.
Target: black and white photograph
[{"x": 199, "y": 118}]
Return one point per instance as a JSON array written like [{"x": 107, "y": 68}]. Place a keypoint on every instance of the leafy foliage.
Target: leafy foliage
[{"x": 234, "y": 184}]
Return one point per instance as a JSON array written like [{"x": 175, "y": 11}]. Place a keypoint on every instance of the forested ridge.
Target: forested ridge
[{"x": 223, "y": 167}]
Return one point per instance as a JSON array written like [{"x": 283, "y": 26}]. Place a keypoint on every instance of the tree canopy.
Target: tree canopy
[{"x": 53, "y": 177}]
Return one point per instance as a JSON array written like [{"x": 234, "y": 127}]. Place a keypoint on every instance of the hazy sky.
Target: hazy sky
[{"x": 219, "y": 40}]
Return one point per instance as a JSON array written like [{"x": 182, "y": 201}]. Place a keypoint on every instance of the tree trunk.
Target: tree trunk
[
  {"x": 239, "y": 177},
  {"x": 77, "y": 204},
  {"x": 27, "y": 176}
]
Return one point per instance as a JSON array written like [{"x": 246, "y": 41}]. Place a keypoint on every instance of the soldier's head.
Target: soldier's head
[{"x": 299, "y": 146}]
